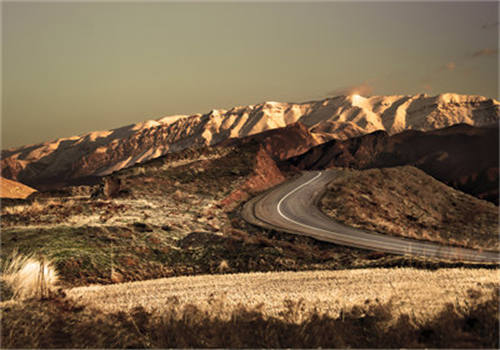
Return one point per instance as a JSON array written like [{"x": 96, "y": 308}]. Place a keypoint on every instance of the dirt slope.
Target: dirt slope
[{"x": 14, "y": 189}]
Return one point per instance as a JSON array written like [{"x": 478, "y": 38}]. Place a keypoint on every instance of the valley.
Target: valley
[
  {"x": 250, "y": 175},
  {"x": 179, "y": 210}
]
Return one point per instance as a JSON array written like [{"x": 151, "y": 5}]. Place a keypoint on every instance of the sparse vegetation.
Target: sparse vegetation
[
  {"x": 152, "y": 228},
  {"x": 110, "y": 254},
  {"x": 404, "y": 201},
  {"x": 166, "y": 225},
  {"x": 26, "y": 277},
  {"x": 169, "y": 218}
]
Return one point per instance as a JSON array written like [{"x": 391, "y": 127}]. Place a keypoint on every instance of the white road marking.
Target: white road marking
[
  {"x": 292, "y": 192},
  {"x": 396, "y": 245},
  {"x": 392, "y": 244}
]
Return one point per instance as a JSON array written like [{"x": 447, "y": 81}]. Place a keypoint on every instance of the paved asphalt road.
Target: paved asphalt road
[{"x": 292, "y": 207}]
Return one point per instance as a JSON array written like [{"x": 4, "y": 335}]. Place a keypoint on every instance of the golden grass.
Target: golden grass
[
  {"x": 28, "y": 277},
  {"x": 329, "y": 291},
  {"x": 62, "y": 322},
  {"x": 37, "y": 207}
]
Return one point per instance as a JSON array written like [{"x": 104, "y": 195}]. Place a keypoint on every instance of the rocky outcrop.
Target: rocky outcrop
[
  {"x": 265, "y": 174},
  {"x": 281, "y": 143}
]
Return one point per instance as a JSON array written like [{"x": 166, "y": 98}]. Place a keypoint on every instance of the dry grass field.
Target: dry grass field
[
  {"x": 374, "y": 308},
  {"x": 329, "y": 291}
]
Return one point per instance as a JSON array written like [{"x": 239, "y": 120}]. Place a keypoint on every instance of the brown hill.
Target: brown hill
[
  {"x": 461, "y": 156},
  {"x": 406, "y": 202}
]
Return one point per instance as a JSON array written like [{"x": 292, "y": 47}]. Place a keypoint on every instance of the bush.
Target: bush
[{"x": 27, "y": 277}]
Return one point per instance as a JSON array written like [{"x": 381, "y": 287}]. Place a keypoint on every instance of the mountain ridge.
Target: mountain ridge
[{"x": 100, "y": 153}]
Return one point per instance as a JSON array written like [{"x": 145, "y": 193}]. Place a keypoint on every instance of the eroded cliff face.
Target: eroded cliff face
[
  {"x": 268, "y": 148},
  {"x": 461, "y": 156},
  {"x": 67, "y": 160},
  {"x": 265, "y": 175}
]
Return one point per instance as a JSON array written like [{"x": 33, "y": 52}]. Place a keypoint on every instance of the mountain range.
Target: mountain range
[{"x": 80, "y": 159}]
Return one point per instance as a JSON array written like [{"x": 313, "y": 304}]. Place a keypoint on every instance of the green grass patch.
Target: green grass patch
[{"x": 91, "y": 254}]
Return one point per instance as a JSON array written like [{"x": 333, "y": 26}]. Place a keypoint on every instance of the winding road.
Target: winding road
[{"x": 293, "y": 207}]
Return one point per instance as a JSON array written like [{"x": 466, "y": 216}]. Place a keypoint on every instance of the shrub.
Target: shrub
[{"x": 28, "y": 277}]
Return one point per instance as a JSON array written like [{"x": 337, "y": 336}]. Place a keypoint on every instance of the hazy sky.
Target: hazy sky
[{"x": 69, "y": 68}]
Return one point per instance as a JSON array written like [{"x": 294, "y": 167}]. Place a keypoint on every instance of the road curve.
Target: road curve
[{"x": 293, "y": 207}]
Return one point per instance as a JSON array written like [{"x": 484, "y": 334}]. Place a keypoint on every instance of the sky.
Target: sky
[{"x": 69, "y": 68}]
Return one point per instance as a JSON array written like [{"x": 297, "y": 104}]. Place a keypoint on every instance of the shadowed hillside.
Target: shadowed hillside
[{"x": 462, "y": 156}]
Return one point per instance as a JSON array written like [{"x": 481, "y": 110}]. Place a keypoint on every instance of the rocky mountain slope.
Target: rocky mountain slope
[
  {"x": 79, "y": 158},
  {"x": 461, "y": 156},
  {"x": 281, "y": 143}
]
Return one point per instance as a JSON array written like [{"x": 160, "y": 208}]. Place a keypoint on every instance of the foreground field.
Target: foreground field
[
  {"x": 329, "y": 291},
  {"x": 363, "y": 308}
]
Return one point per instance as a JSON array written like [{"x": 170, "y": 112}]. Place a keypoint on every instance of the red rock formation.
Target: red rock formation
[{"x": 266, "y": 174}]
